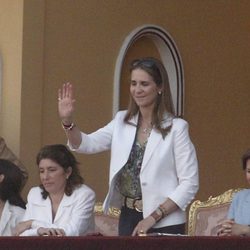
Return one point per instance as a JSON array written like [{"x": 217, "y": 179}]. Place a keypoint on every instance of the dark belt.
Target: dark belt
[{"x": 133, "y": 203}]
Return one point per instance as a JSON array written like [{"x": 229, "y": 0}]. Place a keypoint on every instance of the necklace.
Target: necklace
[{"x": 146, "y": 131}]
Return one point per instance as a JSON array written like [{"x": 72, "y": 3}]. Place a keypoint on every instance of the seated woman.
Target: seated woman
[
  {"x": 12, "y": 206},
  {"x": 62, "y": 205},
  {"x": 238, "y": 215}
]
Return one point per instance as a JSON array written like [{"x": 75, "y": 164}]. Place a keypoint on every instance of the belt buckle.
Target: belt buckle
[{"x": 135, "y": 207}]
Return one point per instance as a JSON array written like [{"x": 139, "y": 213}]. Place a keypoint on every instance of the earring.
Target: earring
[{"x": 159, "y": 92}]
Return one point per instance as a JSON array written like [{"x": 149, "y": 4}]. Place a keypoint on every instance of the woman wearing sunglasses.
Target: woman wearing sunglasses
[{"x": 153, "y": 167}]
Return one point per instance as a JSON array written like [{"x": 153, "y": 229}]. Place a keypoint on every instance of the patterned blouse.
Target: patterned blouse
[{"x": 128, "y": 179}]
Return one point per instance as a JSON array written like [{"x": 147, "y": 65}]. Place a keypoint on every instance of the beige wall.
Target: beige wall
[
  {"x": 11, "y": 25},
  {"x": 79, "y": 41}
]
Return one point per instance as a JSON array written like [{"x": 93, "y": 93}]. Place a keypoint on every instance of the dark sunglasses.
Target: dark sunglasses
[{"x": 143, "y": 62}]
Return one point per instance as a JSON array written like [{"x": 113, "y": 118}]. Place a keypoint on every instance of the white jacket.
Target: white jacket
[
  {"x": 74, "y": 214},
  {"x": 11, "y": 216},
  {"x": 169, "y": 168}
]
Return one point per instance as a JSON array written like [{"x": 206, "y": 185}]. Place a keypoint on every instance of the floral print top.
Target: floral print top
[{"x": 128, "y": 179}]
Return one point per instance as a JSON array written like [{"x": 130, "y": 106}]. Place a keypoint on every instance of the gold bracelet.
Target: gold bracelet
[
  {"x": 164, "y": 211},
  {"x": 157, "y": 214}
]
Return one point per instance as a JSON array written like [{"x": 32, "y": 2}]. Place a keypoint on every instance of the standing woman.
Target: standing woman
[
  {"x": 62, "y": 205},
  {"x": 12, "y": 206},
  {"x": 153, "y": 167}
]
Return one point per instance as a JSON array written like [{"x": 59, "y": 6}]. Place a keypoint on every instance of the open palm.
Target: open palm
[{"x": 66, "y": 102}]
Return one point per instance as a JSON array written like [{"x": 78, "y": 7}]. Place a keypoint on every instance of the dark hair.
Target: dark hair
[
  {"x": 164, "y": 104},
  {"x": 245, "y": 157},
  {"x": 62, "y": 156},
  {"x": 12, "y": 184}
]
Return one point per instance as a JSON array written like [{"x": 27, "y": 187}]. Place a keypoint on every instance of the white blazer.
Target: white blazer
[
  {"x": 11, "y": 216},
  {"x": 169, "y": 168},
  {"x": 74, "y": 214}
]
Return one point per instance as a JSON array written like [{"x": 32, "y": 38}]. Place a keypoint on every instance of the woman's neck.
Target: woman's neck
[
  {"x": 146, "y": 116},
  {"x": 56, "y": 197}
]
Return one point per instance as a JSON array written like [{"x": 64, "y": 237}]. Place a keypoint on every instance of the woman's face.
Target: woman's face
[
  {"x": 248, "y": 171},
  {"x": 143, "y": 89},
  {"x": 53, "y": 176}
]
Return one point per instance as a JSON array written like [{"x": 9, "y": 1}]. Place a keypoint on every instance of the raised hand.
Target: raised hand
[{"x": 66, "y": 103}]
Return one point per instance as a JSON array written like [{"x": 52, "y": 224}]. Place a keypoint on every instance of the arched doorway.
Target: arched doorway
[{"x": 167, "y": 51}]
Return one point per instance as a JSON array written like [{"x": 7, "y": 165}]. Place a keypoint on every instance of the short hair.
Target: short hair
[
  {"x": 12, "y": 184},
  {"x": 62, "y": 156},
  {"x": 245, "y": 158}
]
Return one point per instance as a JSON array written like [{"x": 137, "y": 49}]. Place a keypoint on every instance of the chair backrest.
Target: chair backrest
[
  {"x": 106, "y": 224},
  {"x": 205, "y": 217}
]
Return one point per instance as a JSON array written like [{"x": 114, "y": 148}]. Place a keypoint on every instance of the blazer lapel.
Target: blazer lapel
[
  {"x": 128, "y": 139},
  {"x": 153, "y": 140},
  {"x": 66, "y": 201}
]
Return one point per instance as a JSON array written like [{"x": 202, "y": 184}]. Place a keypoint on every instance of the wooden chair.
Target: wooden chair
[
  {"x": 205, "y": 217},
  {"x": 106, "y": 224}
]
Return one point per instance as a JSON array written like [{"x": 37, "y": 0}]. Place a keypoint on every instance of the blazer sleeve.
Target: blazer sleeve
[
  {"x": 97, "y": 141},
  {"x": 82, "y": 215},
  {"x": 186, "y": 166}
]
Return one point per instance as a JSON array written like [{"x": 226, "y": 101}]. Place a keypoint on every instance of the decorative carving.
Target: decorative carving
[{"x": 114, "y": 212}]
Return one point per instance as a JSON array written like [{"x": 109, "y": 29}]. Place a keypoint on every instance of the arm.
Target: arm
[
  {"x": 240, "y": 230},
  {"x": 229, "y": 228},
  {"x": 22, "y": 227},
  {"x": 163, "y": 210},
  {"x": 186, "y": 166},
  {"x": 96, "y": 142},
  {"x": 66, "y": 109}
]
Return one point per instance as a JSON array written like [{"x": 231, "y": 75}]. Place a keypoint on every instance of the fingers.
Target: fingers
[
  {"x": 226, "y": 228},
  {"x": 59, "y": 232},
  {"x": 139, "y": 231},
  {"x": 66, "y": 91}
]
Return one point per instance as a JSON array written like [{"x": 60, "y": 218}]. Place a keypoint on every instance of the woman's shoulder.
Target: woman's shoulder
[
  {"x": 120, "y": 114},
  {"x": 83, "y": 188},
  {"x": 35, "y": 194},
  {"x": 15, "y": 209},
  {"x": 179, "y": 123},
  {"x": 242, "y": 194},
  {"x": 35, "y": 190}
]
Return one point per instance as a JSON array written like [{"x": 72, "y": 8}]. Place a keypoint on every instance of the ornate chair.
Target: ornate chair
[
  {"x": 106, "y": 224},
  {"x": 205, "y": 217}
]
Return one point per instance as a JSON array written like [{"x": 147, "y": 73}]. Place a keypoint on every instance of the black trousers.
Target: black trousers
[{"x": 129, "y": 218}]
